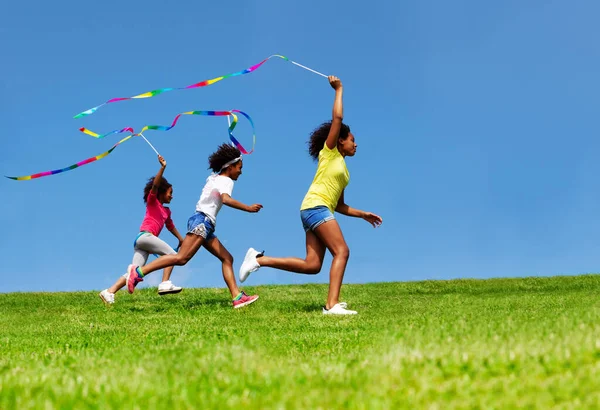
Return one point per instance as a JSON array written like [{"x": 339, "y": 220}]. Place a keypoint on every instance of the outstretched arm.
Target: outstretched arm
[
  {"x": 159, "y": 174},
  {"x": 345, "y": 209},
  {"x": 229, "y": 201},
  {"x": 338, "y": 112}
]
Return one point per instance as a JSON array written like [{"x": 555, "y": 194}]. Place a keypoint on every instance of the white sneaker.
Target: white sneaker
[
  {"x": 339, "y": 309},
  {"x": 250, "y": 264},
  {"x": 107, "y": 297},
  {"x": 167, "y": 287}
]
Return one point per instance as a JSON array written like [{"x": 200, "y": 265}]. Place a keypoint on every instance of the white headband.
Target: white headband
[{"x": 233, "y": 161}]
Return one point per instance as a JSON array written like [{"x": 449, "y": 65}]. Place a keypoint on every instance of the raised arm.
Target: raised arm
[
  {"x": 338, "y": 112},
  {"x": 159, "y": 174}
]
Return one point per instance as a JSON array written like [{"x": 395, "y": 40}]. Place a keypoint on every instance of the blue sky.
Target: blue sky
[{"x": 476, "y": 124}]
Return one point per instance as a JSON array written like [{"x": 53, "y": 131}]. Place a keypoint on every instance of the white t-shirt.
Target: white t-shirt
[{"x": 210, "y": 202}]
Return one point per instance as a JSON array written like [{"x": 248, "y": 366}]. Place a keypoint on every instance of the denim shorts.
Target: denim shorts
[
  {"x": 313, "y": 217},
  {"x": 201, "y": 225}
]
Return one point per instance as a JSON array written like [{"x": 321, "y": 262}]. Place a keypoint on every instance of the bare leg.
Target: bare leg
[
  {"x": 215, "y": 247},
  {"x": 119, "y": 284},
  {"x": 327, "y": 235},
  {"x": 311, "y": 264},
  {"x": 190, "y": 245},
  {"x": 331, "y": 235},
  {"x": 167, "y": 273}
]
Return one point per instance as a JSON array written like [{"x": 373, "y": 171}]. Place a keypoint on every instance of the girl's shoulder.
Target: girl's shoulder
[
  {"x": 223, "y": 178},
  {"x": 216, "y": 179},
  {"x": 328, "y": 152}
]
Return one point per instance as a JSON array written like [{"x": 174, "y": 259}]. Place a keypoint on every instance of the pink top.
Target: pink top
[{"x": 156, "y": 217}]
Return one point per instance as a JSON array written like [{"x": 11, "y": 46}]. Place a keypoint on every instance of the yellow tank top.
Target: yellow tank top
[{"x": 330, "y": 180}]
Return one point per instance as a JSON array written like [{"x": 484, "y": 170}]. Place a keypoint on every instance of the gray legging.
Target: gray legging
[{"x": 146, "y": 244}]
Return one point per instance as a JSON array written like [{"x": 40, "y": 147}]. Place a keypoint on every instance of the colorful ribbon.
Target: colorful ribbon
[
  {"x": 77, "y": 165},
  {"x": 207, "y": 113},
  {"x": 93, "y": 134},
  {"x": 150, "y": 127},
  {"x": 197, "y": 85},
  {"x": 162, "y": 127}
]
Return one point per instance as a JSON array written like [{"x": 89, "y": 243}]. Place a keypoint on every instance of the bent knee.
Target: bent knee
[
  {"x": 313, "y": 269},
  {"x": 182, "y": 260}
]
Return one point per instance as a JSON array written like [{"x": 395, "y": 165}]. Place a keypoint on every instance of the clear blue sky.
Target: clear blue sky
[{"x": 476, "y": 124}]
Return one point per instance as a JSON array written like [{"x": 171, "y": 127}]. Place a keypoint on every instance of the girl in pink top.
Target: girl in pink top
[{"x": 157, "y": 192}]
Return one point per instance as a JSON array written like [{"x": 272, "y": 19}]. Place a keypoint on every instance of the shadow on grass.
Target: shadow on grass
[
  {"x": 175, "y": 304},
  {"x": 308, "y": 307}
]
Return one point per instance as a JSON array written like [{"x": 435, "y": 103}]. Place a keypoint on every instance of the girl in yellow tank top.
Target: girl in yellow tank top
[{"x": 329, "y": 144}]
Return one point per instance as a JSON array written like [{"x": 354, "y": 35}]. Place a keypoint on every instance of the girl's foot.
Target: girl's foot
[
  {"x": 250, "y": 263},
  {"x": 339, "y": 309},
  {"x": 107, "y": 297},
  {"x": 133, "y": 278},
  {"x": 244, "y": 300},
  {"x": 167, "y": 287}
]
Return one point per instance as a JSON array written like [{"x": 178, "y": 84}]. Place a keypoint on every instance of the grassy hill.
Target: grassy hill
[{"x": 498, "y": 343}]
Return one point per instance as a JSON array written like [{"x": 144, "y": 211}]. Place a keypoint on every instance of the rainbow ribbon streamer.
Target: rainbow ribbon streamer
[
  {"x": 176, "y": 119},
  {"x": 93, "y": 134},
  {"x": 77, "y": 165},
  {"x": 197, "y": 85},
  {"x": 216, "y": 114},
  {"x": 149, "y": 127}
]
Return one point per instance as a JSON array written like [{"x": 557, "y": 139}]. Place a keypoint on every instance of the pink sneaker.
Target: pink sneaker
[
  {"x": 244, "y": 300},
  {"x": 133, "y": 278}
]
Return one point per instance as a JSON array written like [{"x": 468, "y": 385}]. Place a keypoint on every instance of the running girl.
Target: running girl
[
  {"x": 157, "y": 192},
  {"x": 330, "y": 144}
]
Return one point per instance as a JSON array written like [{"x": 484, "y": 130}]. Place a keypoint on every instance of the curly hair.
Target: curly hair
[
  {"x": 222, "y": 156},
  {"x": 319, "y": 136},
  {"x": 162, "y": 187}
]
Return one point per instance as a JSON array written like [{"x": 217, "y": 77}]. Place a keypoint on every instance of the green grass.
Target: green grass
[{"x": 498, "y": 343}]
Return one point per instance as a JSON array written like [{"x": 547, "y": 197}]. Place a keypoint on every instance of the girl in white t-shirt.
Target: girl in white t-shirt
[{"x": 227, "y": 165}]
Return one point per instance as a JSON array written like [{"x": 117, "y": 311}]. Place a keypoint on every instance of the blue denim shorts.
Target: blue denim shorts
[
  {"x": 313, "y": 217},
  {"x": 201, "y": 225}
]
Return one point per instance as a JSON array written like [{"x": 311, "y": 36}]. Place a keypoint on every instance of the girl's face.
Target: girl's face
[
  {"x": 167, "y": 196},
  {"x": 348, "y": 146},
  {"x": 235, "y": 170}
]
